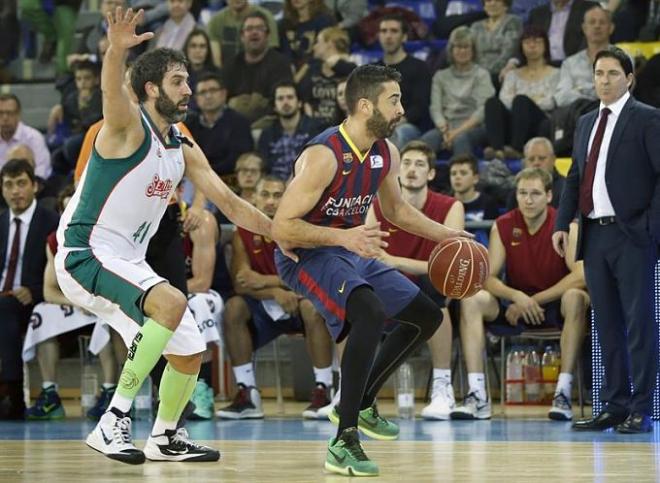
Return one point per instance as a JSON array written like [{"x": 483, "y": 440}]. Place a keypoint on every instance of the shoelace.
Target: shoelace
[
  {"x": 561, "y": 401},
  {"x": 377, "y": 415},
  {"x": 441, "y": 389},
  {"x": 354, "y": 447},
  {"x": 122, "y": 430},
  {"x": 181, "y": 440},
  {"x": 472, "y": 398}
]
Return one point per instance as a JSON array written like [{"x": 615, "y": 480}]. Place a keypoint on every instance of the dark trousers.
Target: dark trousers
[
  {"x": 619, "y": 275},
  {"x": 9, "y": 31},
  {"x": 14, "y": 318},
  {"x": 516, "y": 126}
]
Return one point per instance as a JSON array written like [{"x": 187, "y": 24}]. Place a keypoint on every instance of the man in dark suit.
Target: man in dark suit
[
  {"x": 562, "y": 19},
  {"x": 24, "y": 227},
  {"x": 614, "y": 187}
]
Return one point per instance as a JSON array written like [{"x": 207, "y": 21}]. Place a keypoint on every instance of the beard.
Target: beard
[
  {"x": 380, "y": 127},
  {"x": 167, "y": 108},
  {"x": 288, "y": 115}
]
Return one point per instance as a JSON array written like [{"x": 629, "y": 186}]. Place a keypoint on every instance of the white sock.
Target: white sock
[
  {"x": 443, "y": 375},
  {"x": 477, "y": 383},
  {"x": 160, "y": 426},
  {"x": 244, "y": 374},
  {"x": 47, "y": 384},
  {"x": 324, "y": 376},
  {"x": 564, "y": 384},
  {"x": 121, "y": 402},
  {"x": 109, "y": 385}
]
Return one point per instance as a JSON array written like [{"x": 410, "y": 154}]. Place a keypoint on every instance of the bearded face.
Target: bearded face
[
  {"x": 379, "y": 126},
  {"x": 171, "y": 111}
]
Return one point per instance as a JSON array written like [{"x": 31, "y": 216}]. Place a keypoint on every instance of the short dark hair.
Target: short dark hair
[
  {"x": 256, "y": 14},
  {"x": 15, "y": 167},
  {"x": 286, "y": 83},
  {"x": 206, "y": 76},
  {"x": 425, "y": 149},
  {"x": 86, "y": 65},
  {"x": 270, "y": 178},
  {"x": 395, "y": 17},
  {"x": 465, "y": 158},
  {"x": 152, "y": 66},
  {"x": 10, "y": 96},
  {"x": 366, "y": 82},
  {"x": 613, "y": 52},
  {"x": 536, "y": 32}
]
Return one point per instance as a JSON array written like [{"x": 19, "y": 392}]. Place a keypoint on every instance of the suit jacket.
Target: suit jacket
[
  {"x": 632, "y": 173},
  {"x": 573, "y": 36},
  {"x": 44, "y": 221}
]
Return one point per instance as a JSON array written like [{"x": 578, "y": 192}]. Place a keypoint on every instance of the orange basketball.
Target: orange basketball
[{"x": 458, "y": 267}]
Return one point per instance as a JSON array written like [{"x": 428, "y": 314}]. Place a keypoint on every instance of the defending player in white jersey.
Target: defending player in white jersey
[{"x": 136, "y": 164}]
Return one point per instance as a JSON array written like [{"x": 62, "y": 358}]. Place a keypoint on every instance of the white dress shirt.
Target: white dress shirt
[
  {"x": 34, "y": 140},
  {"x": 602, "y": 203},
  {"x": 26, "y": 219}
]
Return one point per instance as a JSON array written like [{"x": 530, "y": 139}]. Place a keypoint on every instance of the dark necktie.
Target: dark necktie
[
  {"x": 587, "y": 186},
  {"x": 13, "y": 258}
]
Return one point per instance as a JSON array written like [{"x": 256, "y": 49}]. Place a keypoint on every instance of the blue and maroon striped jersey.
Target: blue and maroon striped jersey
[{"x": 346, "y": 200}]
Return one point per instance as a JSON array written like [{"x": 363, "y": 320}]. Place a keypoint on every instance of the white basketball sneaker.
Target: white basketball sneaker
[
  {"x": 324, "y": 412},
  {"x": 442, "y": 401},
  {"x": 112, "y": 437},
  {"x": 473, "y": 408},
  {"x": 175, "y": 445}
]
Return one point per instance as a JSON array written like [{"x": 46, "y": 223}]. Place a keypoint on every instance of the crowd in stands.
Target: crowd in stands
[{"x": 497, "y": 86}]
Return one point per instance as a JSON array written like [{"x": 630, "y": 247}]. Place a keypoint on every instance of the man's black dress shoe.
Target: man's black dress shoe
[
  {"x": 604, "y": 420},
  {"x": 635, "y": 423}
]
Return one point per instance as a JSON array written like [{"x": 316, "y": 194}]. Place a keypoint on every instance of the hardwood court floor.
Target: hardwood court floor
[{"x": 521, "y": 447}]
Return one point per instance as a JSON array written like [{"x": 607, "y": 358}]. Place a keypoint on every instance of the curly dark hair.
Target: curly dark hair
[
  {"x": 152, "y": 66},
  {"x": 366, "y": 82}
]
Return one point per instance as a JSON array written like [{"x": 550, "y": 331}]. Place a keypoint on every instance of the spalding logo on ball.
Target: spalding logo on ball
[{"x": 458, "y": 267}]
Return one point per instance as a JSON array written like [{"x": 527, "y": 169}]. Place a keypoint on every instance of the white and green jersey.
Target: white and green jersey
[{"x": 119, "y": 202}]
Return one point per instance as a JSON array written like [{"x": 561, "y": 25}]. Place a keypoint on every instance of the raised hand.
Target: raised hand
[
  {"x": 121, "y": 29},
  {"x": 366, "y": 240}
]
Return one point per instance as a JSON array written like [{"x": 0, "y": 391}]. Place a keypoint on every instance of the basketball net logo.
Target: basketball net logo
[{"x": 159, "y": 187}]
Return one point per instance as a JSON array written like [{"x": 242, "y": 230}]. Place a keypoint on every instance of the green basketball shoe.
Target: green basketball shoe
[
  {"x": 371, "y": 423},
  {"x": 346, "y": 456}
]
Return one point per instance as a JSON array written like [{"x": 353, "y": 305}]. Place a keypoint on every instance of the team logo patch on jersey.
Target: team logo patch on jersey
[
  {"x": 348, "y": 157},
  {"x": 159, "y": 187},
  {"x": 376, "y": 161}
]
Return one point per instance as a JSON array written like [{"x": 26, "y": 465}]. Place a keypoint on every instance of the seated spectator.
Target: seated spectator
[
  {"x": 281, "y": 142},
  {"x": 478, "y": 206},
  {"x": 205, "y": 304},
  {"x": 525, "y": 101},
  {"x": 318, "y": 86},
  {"x": 175, "y": 30},
  {"x": 250, "y": 169},
  {"x": 496, "y": 38},
  {"x": 22, "y": 264},
  {"x": 415, "y": 80},
  {"x": 542, "y": 290},
  {"x": 252, "y": 74},
  {"x": 576, "y": 94},
  {"x": 53, "y": 321},
  {"x": 458, "y": 96},
  {"x": 409, "y": 253},
  {"x": 302, "y": 22},
  {"x": 79, "y": 108},
  {"x": 562, "y": 20},
  {"x": 87, "y": 48},
  {"x": 47, "y": 191},
  {"x": 58, "y": 29},
  {"x": 225, "y": 29},
  {"x": 197, "y": 49},
  {"x": 13, "y": 131},
  {"x": 264, "y": 309},
  {"x": 347, "y": 12},
  {"x": 221, "y": 132},
  {"x": 539, "y": 153}
]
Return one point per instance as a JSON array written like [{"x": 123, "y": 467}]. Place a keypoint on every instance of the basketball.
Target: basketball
[{"x": 458, "y": 267}]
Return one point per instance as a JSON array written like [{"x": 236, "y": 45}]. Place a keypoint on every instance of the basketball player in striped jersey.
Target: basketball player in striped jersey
[
  {"x": 410, "y": 253},
  {"x": 135, "y": 166},
  {"x": 322, "y": 218}
]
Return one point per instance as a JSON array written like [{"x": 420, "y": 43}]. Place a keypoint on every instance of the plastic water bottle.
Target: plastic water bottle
[
  {"x": 532, "y": 377},
  {"x": 144, "y": 400},
  {"x": 405, "y": 395},
  {"x": 514, "y": 376},
  {"x": 88, "y": 388},
  {"x": 551, "y": 364}
]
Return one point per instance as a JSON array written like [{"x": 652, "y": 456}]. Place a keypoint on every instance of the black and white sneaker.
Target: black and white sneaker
[
  {"x": 174, "y": 445},
  {"x": 112, "y": 437}
]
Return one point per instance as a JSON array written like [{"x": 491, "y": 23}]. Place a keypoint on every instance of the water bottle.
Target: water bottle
[
  {"x": 88, "y": 388},
  {"x": 514, "y": 376},
  {"x": 551, "y": 365},
  {"x": 532, "y": 373},
  {"x": 144, "y": 401},
  {"x": 405, "y": 394}
]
